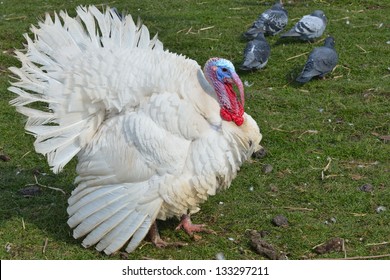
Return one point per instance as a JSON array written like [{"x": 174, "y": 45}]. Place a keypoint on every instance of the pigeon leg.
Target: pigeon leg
[
  {"x": 190, "y": 228},
  {"x": 160, "y": 243}
]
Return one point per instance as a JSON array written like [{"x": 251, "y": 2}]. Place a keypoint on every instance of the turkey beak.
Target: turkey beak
[{"x": 236, "y": 79}]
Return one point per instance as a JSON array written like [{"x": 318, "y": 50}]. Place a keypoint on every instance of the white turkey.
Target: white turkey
[{"x": 154, "y": 134}]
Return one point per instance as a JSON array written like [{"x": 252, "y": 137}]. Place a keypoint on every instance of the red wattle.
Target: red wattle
[
  {"x": 225, "y": 115},
  {"x": 238, "y": 121},
  {"x": 228, "y": 116}
]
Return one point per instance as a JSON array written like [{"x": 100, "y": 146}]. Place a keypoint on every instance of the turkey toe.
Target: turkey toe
[{"x": 190, "y": 228}]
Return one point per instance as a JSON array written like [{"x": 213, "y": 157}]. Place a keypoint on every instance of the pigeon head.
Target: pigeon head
[
  {"x": 222, "y": 75},
  {"x": 320, "y": 14},
  {"x": 260, "y": 36},
  {"x": 278, "y": 5},
  {"x": 329, "y": 42}
]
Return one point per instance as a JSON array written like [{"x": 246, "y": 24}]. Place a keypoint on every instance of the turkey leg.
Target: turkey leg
[{"x": 160, "y": 243}]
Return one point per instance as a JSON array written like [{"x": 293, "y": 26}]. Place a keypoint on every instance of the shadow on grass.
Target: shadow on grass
[
  {"x": 43, "y": 204},
  {"x": 40, "y": 213},
  {"x": 292, "y": 74}
]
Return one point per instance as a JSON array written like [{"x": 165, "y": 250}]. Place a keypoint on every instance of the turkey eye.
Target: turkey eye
[{"x": 224, "y": 70}]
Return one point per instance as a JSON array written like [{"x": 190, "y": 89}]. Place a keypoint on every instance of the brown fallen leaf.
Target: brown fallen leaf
[
  {"x": 262, "y": 247},
  {"x": 356, "y": 177},
  {"x": 382, "y": 137},
  {"x": 335, "y": 244},
  {"x": 4, "y": 157}
]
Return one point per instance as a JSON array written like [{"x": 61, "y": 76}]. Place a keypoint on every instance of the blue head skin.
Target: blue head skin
[{"x": 221, "y": 75}]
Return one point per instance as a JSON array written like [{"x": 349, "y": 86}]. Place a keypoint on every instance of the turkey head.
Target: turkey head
[{"x": 222, "y": 76}]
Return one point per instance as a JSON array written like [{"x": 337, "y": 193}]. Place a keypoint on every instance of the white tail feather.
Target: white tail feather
[
  {"x": 24, "y": 97},
  {"x": 36, "y": 117}
]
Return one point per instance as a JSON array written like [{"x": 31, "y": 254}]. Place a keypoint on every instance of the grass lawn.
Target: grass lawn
[{"x": 325, "y": 139}]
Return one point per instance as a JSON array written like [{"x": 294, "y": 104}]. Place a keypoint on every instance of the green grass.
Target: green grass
[{"x": 340, "y": 118}]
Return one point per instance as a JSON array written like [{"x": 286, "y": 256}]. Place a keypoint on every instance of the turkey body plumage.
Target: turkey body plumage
[{"x": 144, "y": 123}]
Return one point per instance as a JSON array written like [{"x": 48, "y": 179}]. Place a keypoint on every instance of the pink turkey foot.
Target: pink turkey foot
[
  {"x": 160, "y": 243},
  {"x": 190, "y": 228}
]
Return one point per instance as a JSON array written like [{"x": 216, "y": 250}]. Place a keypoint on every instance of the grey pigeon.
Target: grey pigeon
[
  {"x": 271, "y": 22},
  {"x": 308, "y": 27},
  {"x": 321, "y": 61},
  {"x": 256, "y": 53}
]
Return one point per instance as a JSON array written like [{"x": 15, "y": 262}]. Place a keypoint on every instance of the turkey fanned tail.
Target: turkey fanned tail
[{"x": 74, "y": 115}]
